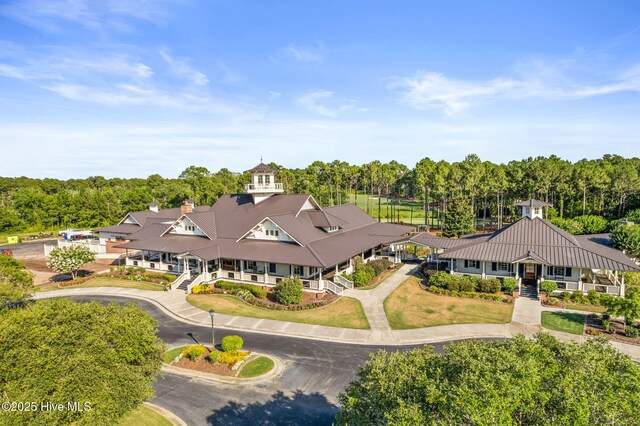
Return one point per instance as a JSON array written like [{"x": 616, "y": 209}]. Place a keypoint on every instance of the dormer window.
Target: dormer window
[{"x": 331, "y": 228}]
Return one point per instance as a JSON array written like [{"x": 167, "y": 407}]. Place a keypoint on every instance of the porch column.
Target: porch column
[
  {"x": 242, "y": 270},
  {"x": 483, "y": 269},
  {"x": 205, "y": 270},
  {"x": 580, "y": 284},
  {"x": 266, "y": 272},
  {"x": 622, "y": 286},
  {"x": 185, "y": 267},
  {"x": 451, "y": 263}
]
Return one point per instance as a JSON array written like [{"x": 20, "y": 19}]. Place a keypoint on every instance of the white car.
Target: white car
[{"x": 67, "y": 231}]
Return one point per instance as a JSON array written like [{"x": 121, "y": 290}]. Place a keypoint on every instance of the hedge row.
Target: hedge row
[
  {"x": 255, "y": 290},
  {"x": 262, "y": 304},
  {"x": 470, "y": 294},
  {"x": 465, "y": 283}
]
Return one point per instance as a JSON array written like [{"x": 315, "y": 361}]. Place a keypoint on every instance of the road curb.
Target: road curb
[
  {"x": 175, "y": 420},
  {"x": 275, "y": 372}
]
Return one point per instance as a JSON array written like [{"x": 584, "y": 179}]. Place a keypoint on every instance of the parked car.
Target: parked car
[{"x": 67, "y": 231}]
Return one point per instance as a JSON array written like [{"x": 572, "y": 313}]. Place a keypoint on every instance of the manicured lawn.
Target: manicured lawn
[
  {"x": 586, "y": 308},
  {"x": 409, "y": 306},
  {"x": 108, "y": 282},
  {"x": 383, "y": 276},
  {"x": 143, "y": 416},
  {"x": 257, "y": 367},
  {"x": 171, "y": 354},
  {"x": 563, "y": 321},
  {"x": 345, "y": 312}
]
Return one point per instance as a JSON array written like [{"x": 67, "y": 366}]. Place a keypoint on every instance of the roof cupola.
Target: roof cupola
[
  {"x": 532, "y": 208},
  {"x": 263, "y": 183}
]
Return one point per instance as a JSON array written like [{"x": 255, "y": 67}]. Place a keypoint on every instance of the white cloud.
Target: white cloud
[
  {"x": 306, "y": 54},
  {"x": 533, "y": 79},
  {"x": 323, "y": 103},
  {"x": 182, "y": 68},
  {"x": 101, "y": 16}
]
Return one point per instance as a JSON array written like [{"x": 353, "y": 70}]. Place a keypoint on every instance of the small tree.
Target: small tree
[
  {"x": 459, "y": 219},
  {"x": 69, "y": 260},
  {"x": 627, "y": 239},
  {"x": 231, "y": 343},
  {"x": 289, "y": 291},
  {"x": 549, "y": 286},
  {"x": 16, "y": 283}
]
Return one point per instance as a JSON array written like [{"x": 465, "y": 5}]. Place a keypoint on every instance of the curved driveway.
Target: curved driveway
[{"x": 306, "y": 393}]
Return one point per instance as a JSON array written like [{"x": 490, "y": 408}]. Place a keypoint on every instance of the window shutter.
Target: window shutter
[
  {"x": 567, "y": 272},
  {"x": 494, "y": 266}
]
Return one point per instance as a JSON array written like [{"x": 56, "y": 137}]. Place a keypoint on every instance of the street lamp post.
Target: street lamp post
[{"x": 213, "y": 336}]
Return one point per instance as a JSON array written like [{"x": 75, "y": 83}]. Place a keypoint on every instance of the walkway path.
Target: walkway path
[
  {"x": 526, "y": 319},
  {"x": 373, "y": 304}
]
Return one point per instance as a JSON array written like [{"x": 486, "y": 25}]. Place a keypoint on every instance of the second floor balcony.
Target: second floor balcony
[{"x": 251, "y": 188}]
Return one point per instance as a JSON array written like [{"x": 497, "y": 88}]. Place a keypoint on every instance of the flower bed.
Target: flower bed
[
  {"x": 247, "y": 293},
  {"x": 613, "y": 329},
  {"x": 226, "y": 363},
  {"x": 132, "y": 274}
]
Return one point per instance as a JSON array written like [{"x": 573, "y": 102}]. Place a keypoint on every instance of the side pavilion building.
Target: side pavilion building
[
  {"x": 259, "y": 237},
  {"x": 533, "y": 250}
]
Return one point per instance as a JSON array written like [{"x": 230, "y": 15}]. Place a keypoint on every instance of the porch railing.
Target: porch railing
[
  {"x": 198, "y": 280},
  {"x": 181, "y": 278},
  {"x": 339, "y": 279},
  {"x": 336, "y": 289}
]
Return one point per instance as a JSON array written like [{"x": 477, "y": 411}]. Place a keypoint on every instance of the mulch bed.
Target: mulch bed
[
  {"x": 207, "y": 367},
  {"x": 593, "y": 326}
]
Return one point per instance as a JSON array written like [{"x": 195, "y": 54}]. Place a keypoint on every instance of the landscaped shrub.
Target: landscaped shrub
[
  {"x": 232, "y": 287},
  {"x": 263, "y": 304},
  {"x": 578, "y": 297},
  {"x": 509, "y": 284},
  {"x": 289, "y": 291},
  {"x": 566, "y": 296},
  {"x": 244, "y": 294},
  {"x": 492, "y": 285},
  {"x": 379, "y": 265},
  {"x": 213, "y": 356},
  {"x": 440, "y": 279},
  {"x": 549, "y": 286},
  {"x": 453, "y": 284},
  {"x": 194, "y": 352},
  {"x": 593, "y": 297},
  {"x": 632, "y": 278},
  {"x": 363, "y": 274},
  {"x": 231, "y": 357},
  {"x": 632, "y": 332},
  {"x": 552, "y": 301},
  {"x": 201, "y": 289},
  {"x": 606, "y": 324},
  {"x": 467, "y": 283},
  {"x": 231, "y": 343}
]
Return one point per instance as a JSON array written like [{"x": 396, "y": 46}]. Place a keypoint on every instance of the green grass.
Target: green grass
[
  {"x": 108, "y": 282},
  {"x": 24, "y": 234},
  {"x": 382, "y": 278},
  {"x": 409, "y": 306},
  {"x": 171, "y": 354},
  {"x": 586, "y": 308},
  {"x": 563, "y": 321},
  {"x": 345, "y": 312},
  {"x": 410, "y": 211},
  {"x": 257, "y": 367},
  {"x": 143, "y": 416}
]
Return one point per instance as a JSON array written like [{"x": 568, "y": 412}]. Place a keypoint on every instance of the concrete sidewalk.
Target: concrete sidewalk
[{"x": 174, "y": 304}]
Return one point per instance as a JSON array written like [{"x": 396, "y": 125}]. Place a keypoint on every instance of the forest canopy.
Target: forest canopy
[{"x": 607, "y": 187}]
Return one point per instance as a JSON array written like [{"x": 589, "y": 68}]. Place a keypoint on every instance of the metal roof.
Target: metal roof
[
  {"x": 532, "y": 203},
  {"x": 539, "y": 241},
  {"x": 262, "y": 168}
]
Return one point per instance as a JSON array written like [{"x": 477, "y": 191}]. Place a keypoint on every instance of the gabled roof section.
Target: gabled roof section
[
  {"x": 198, "y": 219},
  {"x": 532, "y": 203},
  {"x": 533, "y": 231},
  {"x": 276, "y": 224},
  {"x": 262, "y": 168},
  {"x": 132, "y": 217},
  {"x": 312, "y": 201},
  {"x": 320, "y": 219}
]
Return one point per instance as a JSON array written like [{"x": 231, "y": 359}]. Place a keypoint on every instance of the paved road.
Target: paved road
[
  {"x": 306, "y": 393},
  {"x": 28, "y": 250}
]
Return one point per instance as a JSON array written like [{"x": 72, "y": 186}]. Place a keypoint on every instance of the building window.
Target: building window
[
  {"x": 297, "y": 270},
  {"x": 503, "y": 266},
  {"x": 135, "y": 263},
  {"x": 260, "y": 180},
  {"x": 559, "y": 271},
  {"x": 272, "y": 268},
  {"x": 267, "y": 179},
  {"x": 472, "y": 264},
  {"x": 250, "y": 265},
  {"x": 152, "y": 265},
  {"x": 536, "y": 210}
]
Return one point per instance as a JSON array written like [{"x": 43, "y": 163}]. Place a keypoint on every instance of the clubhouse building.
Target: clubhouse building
[
  {"x": 258, "y": 237},
  {"x": 533, "y": 250}
]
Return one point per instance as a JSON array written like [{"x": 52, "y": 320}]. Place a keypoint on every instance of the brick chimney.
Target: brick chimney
[
  {"x": 187, "y": 206},
  {"x": 153, "y": 207}
]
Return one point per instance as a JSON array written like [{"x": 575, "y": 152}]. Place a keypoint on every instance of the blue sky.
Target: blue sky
[{"x": 131, "y": 88}]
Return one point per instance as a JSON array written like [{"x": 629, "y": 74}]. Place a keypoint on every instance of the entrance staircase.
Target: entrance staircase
[
  {"x": 529, "y": 291},
  {"x": 184, "y": 285}
]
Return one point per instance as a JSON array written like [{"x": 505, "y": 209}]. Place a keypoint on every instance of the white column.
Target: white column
[
  {"x": 622, "y": 286},
  {"x": 266, "y": 272},
  {"x": 483, "y": 269}
]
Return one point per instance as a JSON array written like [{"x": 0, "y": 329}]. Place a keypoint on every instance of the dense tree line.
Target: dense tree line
[{"x": 607, "y": 187}]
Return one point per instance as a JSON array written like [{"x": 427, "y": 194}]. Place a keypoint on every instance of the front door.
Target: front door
[{"x": 529, "y": 271}]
